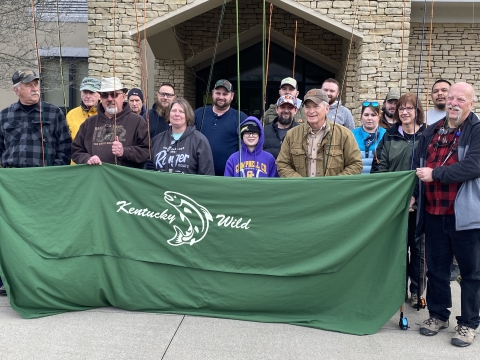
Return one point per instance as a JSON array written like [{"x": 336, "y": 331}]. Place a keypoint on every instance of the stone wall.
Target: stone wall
[{"x": 451, "y": 56}]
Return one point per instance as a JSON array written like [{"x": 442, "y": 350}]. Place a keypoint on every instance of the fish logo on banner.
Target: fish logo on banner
[{"x": 195, "y": 215}]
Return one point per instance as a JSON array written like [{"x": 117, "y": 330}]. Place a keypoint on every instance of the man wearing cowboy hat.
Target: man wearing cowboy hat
[{"x": 115, "y": 135}]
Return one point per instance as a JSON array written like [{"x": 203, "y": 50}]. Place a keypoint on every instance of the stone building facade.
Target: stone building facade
[{"x": 384, "y": 54}]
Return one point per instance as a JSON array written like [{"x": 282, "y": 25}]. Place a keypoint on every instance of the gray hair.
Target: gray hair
[{"x": 17, "y": 85}]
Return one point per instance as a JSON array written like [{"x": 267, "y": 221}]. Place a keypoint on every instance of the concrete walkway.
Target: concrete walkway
[{"x": 110, "y": 333}]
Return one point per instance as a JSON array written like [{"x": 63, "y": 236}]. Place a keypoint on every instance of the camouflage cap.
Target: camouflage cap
[
  {"x": 393, "y": 94},
  {"x": 225, "y": 83},
  {"x": 316, "y": 95},
  {"x": 287, "y": 99},
  {"x": 24, "y": 76},
  {"x": 90, "y": 84},
  {"x": 289, "y": 81}
]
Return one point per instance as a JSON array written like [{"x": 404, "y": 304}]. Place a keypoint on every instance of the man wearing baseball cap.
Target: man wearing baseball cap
[
  {"x": 116, "y": 135},
  {"x": 318, "y": 147},
  {"x": 275, "y": 132},
  {"x": 288, "y": 86},
  {"x": 388, "y": 108},
  {"x": 32, "y": 132},
  {"x": 88, "y": 106},
  {"x": 219, "y": 123}
]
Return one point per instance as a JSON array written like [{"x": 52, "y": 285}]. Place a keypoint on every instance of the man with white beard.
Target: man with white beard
[
  {"x": 447, "y": 162},
  {"x": 275, "y": 132},
  {"x": 116, "y": 135}
]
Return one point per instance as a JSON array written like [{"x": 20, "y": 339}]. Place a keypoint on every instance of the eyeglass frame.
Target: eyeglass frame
[
  {"x": 251, "y": 134},
  {"x": 164, "y": 94}
]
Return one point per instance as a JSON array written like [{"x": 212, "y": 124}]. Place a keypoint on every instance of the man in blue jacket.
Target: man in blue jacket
[{"x": 447, "y": 160}]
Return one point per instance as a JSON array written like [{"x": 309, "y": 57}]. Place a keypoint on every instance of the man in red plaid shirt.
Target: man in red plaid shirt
[{"x": 447, "y": 160}]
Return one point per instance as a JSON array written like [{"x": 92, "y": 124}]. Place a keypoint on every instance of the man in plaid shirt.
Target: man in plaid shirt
[
  {"x": 447, "y": 160},
  {"x": 32, "y": 132}
]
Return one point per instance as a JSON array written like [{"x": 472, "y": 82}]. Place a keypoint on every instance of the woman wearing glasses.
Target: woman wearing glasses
[
  {"x": 255, "y": 162},
  {"x": 397, "y": 148},
  {"x": 368, "y": 135},
  {"x": 181, "y": 148}
]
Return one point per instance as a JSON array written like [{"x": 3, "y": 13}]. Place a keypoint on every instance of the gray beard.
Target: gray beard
[
  {"x": 457, "y": 119},
  {"x": 111, "y": 111}
]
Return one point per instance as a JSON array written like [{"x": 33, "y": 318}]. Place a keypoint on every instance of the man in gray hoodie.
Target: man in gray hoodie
[{"x": 337, "y": 113}]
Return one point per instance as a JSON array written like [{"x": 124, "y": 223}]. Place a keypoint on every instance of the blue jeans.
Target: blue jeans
[{"x": 442, "y": 241}]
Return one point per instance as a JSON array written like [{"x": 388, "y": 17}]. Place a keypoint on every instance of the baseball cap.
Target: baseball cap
[
  {"x": 249, "y": 126},
  {"x": 289, "y": 81},
  {"x": 24, "y": 76},
  {"x": 393, "y": 94},
  {"x": 90, "y": 84},
  {"x": 225, "y": 83},
  {"x": 316, "y": 95},
  {"x": 286, "y": 99}
]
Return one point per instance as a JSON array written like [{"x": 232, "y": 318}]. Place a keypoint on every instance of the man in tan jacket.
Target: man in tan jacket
[{"x": 318, "y": 147}]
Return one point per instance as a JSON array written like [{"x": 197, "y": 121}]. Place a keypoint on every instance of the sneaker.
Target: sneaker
[
  {"x": 2, "y": 290},
  {"x": 414, "y": 300},
  {"x": 464, "y": 336},
  {"x": 432, "y": 325},
  {"x": 454, "y": 272}
]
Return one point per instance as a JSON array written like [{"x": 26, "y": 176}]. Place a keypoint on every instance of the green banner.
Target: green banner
[{"x": 326, "y": 252}]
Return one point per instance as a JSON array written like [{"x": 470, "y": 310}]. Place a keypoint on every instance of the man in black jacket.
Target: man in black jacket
[
  {"x": 156, "y": 115},
  {"x": 286, "y": 108}
]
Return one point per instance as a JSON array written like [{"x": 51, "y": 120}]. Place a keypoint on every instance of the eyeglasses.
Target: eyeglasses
[
  {"x": 162, "y": 94},
  {"x": 408, "y": 108},
  {"x": 250, "y": 134},
  {"x": 370, "y": 103},
  {"x": 113, "y": 95}
]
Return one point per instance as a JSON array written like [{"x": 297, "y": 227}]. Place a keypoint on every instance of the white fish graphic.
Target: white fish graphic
[{"x": 191, "y": 212}]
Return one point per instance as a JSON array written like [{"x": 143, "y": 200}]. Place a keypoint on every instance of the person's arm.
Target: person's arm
[
  {"x": 353, "y": 164},
  {"x": 80, "y": 153},
  {"x": 384, "y": 160},
  {"x": 64, "y": 141},
  {"x": 284, "y": 160},
  {"x": 272, "y": 167},
  {"x": 138, "y": 152},
  {"x": 205, "y": 158},
  {"x": 349, "y": 122},
  {"x": 377, "y": 154},
  {"x": 230, "y": 165}
]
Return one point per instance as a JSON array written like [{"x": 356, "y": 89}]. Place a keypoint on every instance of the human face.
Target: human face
[
  {"x": 251, "y": 139},
  {"x": 459, "y": 102},
  {"x": 288, "y": 89},
  {"x": 135, "y": 103},
  {"x": 285, "y": 113},
  {"x": 389, "y": 107},
  {"x": 370, "y": 119},
  {"x": 165, "y": 96},
  {"x": 28, "y": 93},
  {"x": 112, "y": 102},
  {"x": 316, "y": 114},
  {"x": 89, "y": 98},
  {"x": 177, "y": 118},
  {"x": 439, "y": 95},
  {"x": 222, "y": 98},
  {"x": 406, "y": 113},
  {"x": 331, "y": 89}
]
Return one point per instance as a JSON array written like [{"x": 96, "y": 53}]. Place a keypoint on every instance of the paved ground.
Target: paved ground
[{"x": 110, "y": 333}]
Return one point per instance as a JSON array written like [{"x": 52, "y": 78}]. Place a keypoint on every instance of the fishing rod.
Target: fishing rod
[{"x": 268, "y": 60}]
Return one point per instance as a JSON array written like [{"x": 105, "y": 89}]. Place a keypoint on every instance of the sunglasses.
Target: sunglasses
[
  {"x": 370, "y": 103},
  {"x": 113, "y": 95}
]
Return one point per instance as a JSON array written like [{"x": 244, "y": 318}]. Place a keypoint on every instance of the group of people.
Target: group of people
[{"x": 309, "y": 138}]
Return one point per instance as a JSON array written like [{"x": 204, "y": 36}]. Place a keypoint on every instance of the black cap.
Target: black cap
[
  {"x": 135, "y": 91},
  {"x": 249, "y": 126}
]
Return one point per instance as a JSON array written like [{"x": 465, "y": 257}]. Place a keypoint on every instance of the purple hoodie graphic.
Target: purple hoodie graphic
[{"x": 258, "y": 163}]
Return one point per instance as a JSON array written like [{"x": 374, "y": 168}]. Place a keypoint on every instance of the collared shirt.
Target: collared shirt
[
  {"x": 314, "y": 140},
  {"x": 441, "y": 196},
  {"x": 21, "y": 142}
]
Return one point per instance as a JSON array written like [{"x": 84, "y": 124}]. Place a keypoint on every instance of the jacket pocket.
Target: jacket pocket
[
  {"x": 334, "y": 156},
  {"x": 13, "y": 133},
  {"x": 298, "y": 157}
]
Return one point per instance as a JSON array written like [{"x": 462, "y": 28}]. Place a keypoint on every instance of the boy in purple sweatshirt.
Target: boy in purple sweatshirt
[{"x": 255, "y": 161}]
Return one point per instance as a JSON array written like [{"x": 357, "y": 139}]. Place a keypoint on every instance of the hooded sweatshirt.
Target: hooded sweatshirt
[
  {"x": 256, "y": 163},
  {"x": 344, "y": 116},
  {"x": 191, "y": 154},
  {"x": 96, "y": 136}
]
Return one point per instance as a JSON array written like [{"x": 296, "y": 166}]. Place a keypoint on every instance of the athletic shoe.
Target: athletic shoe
[
  {"x": 2, "y": 290},
  {"x": 432, "y": 325},
  {"x": 464, "y": 336}
]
